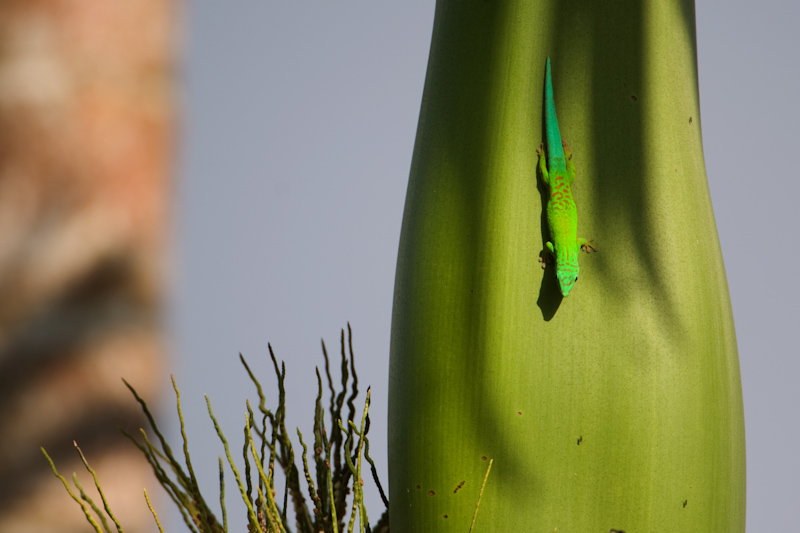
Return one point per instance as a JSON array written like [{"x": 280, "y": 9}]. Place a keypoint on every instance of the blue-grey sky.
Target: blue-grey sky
[{"x": 298, "y": 126}]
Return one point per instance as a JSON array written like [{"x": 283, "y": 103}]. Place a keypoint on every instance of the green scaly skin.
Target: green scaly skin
[{"x": 562, "y": 214}]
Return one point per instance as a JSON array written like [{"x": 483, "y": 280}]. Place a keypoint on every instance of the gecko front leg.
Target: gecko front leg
[
  {"x": 586, "y": 245},
  {"x": 547, "y": 255}
]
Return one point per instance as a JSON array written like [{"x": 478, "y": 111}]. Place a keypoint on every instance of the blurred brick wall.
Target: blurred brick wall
[{"x": 87, "y": 120}]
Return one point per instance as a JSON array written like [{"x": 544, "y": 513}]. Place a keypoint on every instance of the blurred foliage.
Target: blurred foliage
[{"x": 337, "y": 457}]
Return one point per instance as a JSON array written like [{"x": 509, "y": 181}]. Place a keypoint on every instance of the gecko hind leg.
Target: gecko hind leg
[
  {"x": 568, "y": 161},
  {"x": 567, "y": 149},
  {"x": 543, "y": 164}
]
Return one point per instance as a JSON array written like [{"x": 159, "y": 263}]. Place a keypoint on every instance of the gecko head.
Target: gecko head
[{"x": 567, "y": 276}]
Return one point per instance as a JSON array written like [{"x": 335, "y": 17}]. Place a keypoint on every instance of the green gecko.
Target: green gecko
[{"x": 562, "y": 214}]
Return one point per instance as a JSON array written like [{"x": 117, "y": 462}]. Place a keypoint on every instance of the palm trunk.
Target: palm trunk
[
  {"x": 86, "y": 128},
  {"x": 619, "y": 407}
]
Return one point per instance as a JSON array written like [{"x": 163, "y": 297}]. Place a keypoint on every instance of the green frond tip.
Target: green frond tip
[
  {"x": 85, "y": 497},
  {"x": 99, "y": 488},
  {"x": 374, "y": 469},
  {"x": 205, "y": 518},
  {"x": 250, "y": 511},
  {"x": 89, "y": 517},
  {"x": 334, "y": 518},
  {"x": 328, "y": 487},
  {"x": 273, "y": 513},
  {"x": 184, "y": 479},
  {"x": 222, "y": 495},
  {"x": 153, "y": 511},
  {"x": 309, "y": 480},
  {"x": 182, "y": 500}
]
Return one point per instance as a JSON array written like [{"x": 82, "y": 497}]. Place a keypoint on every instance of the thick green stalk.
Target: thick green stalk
[{"x": 619, "y": 407}]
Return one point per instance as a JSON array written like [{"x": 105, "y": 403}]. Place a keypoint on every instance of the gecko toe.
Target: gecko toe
[
  {"x": 567, "y": 148},
  {"x": 588, "y": 247}
]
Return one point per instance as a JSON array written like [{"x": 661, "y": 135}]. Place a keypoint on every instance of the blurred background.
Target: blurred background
[
  {"x": 182, "y": 182},
  {"x": 87, "y": 159}
]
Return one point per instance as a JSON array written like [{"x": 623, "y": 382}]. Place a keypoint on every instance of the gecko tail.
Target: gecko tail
[
  {"x": 552, "y": 134},
  {"x": 548, "y": 82}
]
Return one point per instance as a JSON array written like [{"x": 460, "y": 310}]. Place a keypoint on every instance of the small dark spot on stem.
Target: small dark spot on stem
[
  {"x": 690, "y": 120},
  {"x": 580, "y": 439},
  {"x": 445, "y": 516},
  {"x": 418, "y": 487},
  {"x": 483, "y": 458},
  {"x": 459, "y": 486},
  {"x": 685, "y": 502},
  {"x": 431, "y": 493},
  {"x": 633, "y": 97},
  {"x": 616, "y": 531},
  {"x": 519, "y": 412}
]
